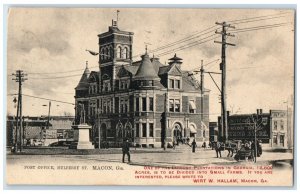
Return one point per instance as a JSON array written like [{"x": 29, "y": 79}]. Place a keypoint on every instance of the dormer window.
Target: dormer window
[
  {"x": 174, "y": 83},
  {"x": 171, "y": 82},
  {"x": 106, "y": 86},
  {"x": 177, "y": 84}
]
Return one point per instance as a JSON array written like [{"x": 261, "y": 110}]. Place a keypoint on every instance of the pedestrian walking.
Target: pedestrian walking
[
  {"x": 204, "y": 145},
  {"x": 174, "y": 144},
  {"x": 125, "y": 150},
  {"x": 218, "y": 149},
  {"x": 194, "y": 145}
]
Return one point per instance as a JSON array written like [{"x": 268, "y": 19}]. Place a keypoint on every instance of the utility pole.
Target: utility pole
[
  {"x": 17, "y": 126},
  {"x": 223, "y": 69},
  {"x": 20, "y": 77},
  {"x": 202, "y": 89},
  {"x": 49, "y": 115}
]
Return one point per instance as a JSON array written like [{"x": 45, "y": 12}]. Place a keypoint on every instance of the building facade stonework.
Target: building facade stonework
[{"x": 149, "y": 103}]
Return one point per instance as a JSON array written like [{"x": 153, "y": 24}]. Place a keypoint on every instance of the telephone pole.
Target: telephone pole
[
  {"x": 202, "y": 89},
  {"x": 19, "y": 77},
  {"x": 223, "y": 69},
  {"x": 48, "y": 122}
]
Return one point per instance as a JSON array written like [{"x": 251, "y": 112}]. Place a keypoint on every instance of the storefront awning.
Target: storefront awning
[{"x": 192, "y": 129}]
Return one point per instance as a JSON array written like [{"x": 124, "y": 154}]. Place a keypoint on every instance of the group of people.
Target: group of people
[
  {"x": 244, "y": 147},
  {"x": 218, "y": 146}
]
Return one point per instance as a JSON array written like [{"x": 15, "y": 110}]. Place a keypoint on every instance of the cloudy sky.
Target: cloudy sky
[{"x": 49, "y": 45}]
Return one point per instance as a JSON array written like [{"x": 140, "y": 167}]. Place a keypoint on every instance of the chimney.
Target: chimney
[
  {"x": 261, "y": 111},
  {"x": 154, "y": 59},
  {"x": 228, "y": 113},
  {"x": 257, "y": 111},
  {"x": 113, "y": 23}
]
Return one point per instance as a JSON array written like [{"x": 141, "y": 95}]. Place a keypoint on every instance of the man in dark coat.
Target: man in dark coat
[
  {"x": 218, "y": 148},
  {"x": 125, "y": 150},
  {"x": 194, "y": 145}
]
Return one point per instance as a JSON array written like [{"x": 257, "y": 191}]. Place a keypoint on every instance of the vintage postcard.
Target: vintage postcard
[{"x": 150, "y": 96}]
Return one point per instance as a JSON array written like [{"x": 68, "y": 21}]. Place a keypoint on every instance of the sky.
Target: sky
[{"x": 49, "y": 45}]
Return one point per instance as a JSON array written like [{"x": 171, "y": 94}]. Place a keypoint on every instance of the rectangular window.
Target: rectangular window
[
  {"x": 177, "y": 84},
  {"x": 137, "y": 129},
  {"x": 151, "y": 104},
  {"x": 171, "y": 105},
  {"x": 281, "y": 125},
  {"x": 104, "y": 107},
  {"x": 171, "y": 83},
  {"x": 151, "y": 129},
  {"x": 108, "y": 107},
  {"x": 126, "y": 105},
  {"x": 274, "y": 139},
  {"x": 192, "y": 106},
  {"x": 144, "y": 132},
  {"x": 137, "y": 104},
  {"x": 121, "y": 106},
  {"x": 144, "y": 104},
  {"x": 150, "y": 83},
  {"x": 112, "y": 105},
  {"x": 275, "y": 125},
  {"x": 177, "y": 105},
  {"x": 101, "y": 106},
  {"x": 117, "y": 104}
]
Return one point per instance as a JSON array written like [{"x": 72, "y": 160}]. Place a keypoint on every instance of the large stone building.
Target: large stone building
[
  {"x": 272, "y": 128},
  {"x": 145, "y": 101}
]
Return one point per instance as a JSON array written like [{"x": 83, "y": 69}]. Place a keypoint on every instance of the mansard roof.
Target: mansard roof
[{"x": 189, "y": 83}]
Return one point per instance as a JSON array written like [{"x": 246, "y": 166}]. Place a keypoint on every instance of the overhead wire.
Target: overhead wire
[
  {"x": 190, "y": 37},
  {"x": 282, "y": 13},
  {"x": 188, "y": 45},
  {"x": 41, "y": 98}
]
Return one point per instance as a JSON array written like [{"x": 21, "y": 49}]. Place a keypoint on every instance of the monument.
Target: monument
[{"x": 81, "y": 132}]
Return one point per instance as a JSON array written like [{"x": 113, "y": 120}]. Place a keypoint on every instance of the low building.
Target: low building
[
  {"x": 271, "y": 128},
  {"x": 37, "y": 129}
]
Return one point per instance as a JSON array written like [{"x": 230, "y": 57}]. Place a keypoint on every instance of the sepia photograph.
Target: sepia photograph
[{"x": 150, "y": 96}]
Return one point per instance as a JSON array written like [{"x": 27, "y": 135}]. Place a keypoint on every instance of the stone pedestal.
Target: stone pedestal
[{"x": 81, "y": 135}]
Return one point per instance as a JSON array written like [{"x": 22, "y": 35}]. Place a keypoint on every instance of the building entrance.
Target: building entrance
[
  {"x": 177, "y": 133},
  {"x": 282, "y": 140}
]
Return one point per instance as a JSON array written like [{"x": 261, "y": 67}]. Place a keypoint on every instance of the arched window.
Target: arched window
[
  {"x": 107, "y": 53},
  {"x": 125, "y": 53},
  {"x": 111, "y": 52},
  {"x": 119, "y": 52},
  {"x": 102, "y": 54}
]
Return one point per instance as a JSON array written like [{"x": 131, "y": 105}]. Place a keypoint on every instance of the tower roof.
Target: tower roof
[
  {"x": 146, "y": 69},
  {"x": 175, "y": 58},
  {"x": 83, "y": 83}
]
